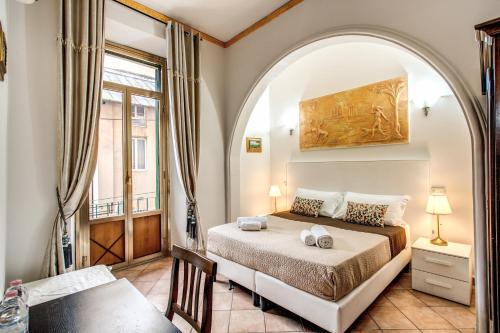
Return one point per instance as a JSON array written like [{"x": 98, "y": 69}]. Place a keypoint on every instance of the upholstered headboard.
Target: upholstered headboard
[{"x": 375, "y": 177}]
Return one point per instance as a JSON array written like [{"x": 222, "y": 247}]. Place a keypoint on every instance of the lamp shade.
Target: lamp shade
[
  {"x": 438, "y": 204},
  {"x": 274, "y": 191}
]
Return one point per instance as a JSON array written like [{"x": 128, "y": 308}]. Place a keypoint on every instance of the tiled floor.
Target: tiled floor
[{"x": 398, "y": 309}]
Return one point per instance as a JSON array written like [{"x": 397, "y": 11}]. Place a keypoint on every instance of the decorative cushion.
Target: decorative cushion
[
  {"x": 394, "y": 215},
  {"x": 365, "y": 213},
  {"x": 306, "y": 207},
  {"x": 332, "y": 201}
]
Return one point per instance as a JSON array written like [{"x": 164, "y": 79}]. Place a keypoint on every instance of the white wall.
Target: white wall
[
  {"x": 32, "y": 127},
  {"x": 446, "y": 26},
  {"x": 3, "y": 156},
  {"x": 255, "y": 168},
  {"x": 442, "y": 138}
]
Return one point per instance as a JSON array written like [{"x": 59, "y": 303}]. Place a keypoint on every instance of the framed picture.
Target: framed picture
[
  {"x": 254, "y": 145},
  {"x": 3, "y": 54}
]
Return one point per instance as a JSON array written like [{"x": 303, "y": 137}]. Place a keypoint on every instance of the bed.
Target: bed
[{"x": 328, "y": 288}]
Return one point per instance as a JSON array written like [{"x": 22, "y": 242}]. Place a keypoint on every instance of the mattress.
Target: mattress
[
  {"x": 277, "y": 251},
  {"x": 395, "y": 234}
]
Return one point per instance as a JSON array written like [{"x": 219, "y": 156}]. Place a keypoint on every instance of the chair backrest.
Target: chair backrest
[{"x": 194, "y": 265}]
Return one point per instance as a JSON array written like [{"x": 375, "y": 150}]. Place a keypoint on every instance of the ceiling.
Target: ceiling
[{"x": 222, "y": 19}]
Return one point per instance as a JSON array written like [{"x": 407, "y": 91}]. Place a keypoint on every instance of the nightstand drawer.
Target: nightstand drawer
[
  {"x": 455, "y": 290},
  {"x": 441, "y": 264}
]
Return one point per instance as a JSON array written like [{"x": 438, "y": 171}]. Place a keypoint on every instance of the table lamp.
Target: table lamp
[
  {"x": 438, "y": 204},
  {"x": 274, "y": 192}
]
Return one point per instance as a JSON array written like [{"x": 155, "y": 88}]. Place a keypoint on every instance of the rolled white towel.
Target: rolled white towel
[
  {"x": 307, "y": 237},
  {"x": 323, "y": 239},
  {"x": 261, "y": 219},
  {"x": 250, "y": 226}
]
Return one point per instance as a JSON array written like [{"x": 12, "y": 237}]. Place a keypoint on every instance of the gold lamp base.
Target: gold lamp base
[{"x": 439, "y": 241}]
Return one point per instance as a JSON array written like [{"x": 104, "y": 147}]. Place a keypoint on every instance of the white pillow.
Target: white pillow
[
  {"x": 332, "y": 201},
  {"x": 395, "y": 211}
]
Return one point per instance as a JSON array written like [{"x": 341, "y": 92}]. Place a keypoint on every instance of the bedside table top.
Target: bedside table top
[{"x": 452, "y": 249}]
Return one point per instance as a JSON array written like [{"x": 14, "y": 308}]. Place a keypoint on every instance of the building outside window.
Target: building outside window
[
  {"x": 138, "y": 115},
  {"x": 138, "y": 154}
]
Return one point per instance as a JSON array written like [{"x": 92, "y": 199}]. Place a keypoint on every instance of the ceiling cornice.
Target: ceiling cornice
[
  {"x": 263, "y": 21},
  {"x": 165, "y": 19}
]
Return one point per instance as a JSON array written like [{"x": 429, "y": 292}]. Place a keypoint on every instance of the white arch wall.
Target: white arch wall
[
  {"x": 442, "y": 137},
  {"x": 466, "y": 99}
]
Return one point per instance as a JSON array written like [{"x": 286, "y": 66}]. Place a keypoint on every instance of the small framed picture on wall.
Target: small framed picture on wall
[{"x": 254, "y": 145}]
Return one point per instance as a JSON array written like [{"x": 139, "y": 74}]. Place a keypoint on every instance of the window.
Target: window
[
  {"x": 138, "y": 154},
  {"x": 138, "y": 115}
]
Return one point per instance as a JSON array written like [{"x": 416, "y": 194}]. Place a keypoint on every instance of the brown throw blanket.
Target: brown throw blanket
[
  {"x": 279, "y": 252},
  {"x": 396, "y": 235}
]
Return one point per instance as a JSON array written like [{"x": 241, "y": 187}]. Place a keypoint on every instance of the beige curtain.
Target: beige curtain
[
  {"x": 183, "y": 72},
  {"x": 80, "y": 61}
]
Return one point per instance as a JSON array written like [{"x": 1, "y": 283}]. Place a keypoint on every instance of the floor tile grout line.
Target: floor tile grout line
[{"x": 430, "y": 307}]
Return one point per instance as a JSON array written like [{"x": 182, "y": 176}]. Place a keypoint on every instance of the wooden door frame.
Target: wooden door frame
[{"x": 82, "y": 221}]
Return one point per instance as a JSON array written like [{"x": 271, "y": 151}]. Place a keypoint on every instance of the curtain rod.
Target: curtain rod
[{"x": 165, "y": 19}]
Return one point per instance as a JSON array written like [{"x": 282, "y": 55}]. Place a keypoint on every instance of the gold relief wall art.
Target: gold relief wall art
[{"x": 375, "y": 114}]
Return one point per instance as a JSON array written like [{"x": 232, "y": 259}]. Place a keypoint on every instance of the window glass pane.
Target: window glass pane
[
  {"x": 138, "y": 115},
  {"x": 106, "y": 190},
  {"x": 131, "y": 73},
  {"x": 145, "y": 158}
]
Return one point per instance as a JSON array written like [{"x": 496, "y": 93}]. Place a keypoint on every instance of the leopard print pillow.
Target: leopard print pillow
[
  {"x": 306, "y": 207},
  {"x": 367, "y": 214}
]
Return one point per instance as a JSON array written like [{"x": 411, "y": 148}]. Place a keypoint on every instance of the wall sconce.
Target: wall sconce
[
  {"x": 290, "y": 120},
  {"x": 425, "y": 95}
]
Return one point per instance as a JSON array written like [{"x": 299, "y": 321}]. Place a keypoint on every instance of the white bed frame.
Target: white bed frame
[{"x": 377, "y": 177}]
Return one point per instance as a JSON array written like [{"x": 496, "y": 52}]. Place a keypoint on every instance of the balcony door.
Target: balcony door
[{"x": 123, "y": 221}]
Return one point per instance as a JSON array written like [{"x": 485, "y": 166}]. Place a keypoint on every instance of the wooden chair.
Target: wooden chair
[{"x": 194, "y": 266}]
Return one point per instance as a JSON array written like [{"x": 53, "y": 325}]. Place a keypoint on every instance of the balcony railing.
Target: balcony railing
[{"x": 107, "y": 207}]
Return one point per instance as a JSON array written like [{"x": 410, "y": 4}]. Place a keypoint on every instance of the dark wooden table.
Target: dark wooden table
[{"x": 113, "y": 307}]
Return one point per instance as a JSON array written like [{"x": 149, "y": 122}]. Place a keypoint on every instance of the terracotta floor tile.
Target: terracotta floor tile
[
  {"x": 364, "y": 324},
  {"x": 441, "y": 331},
  {"x": 468, "y": 330},
  {"x": 390, "y": 318},
  {"x": 458, "y": 316},
  {"x": 150, "y": 275},
  {"x": 401, "y": 331},
  {"x": 165, "y": 263},
  {"x": 161, "y": 287},
  {"x": 242, "y": 301},
  {"x": 222, "y": 301},
  {"x": 382, "y": 301},
  {"x": 137, "y": 268},
  {"x": 278, "y": 320},
  {"x": 220, "y": 321},
  {"x": 403, "y": 298},
  {"x": 246, "y": 321},
  {"x": 221, "y": 287},
  {"x": 425, "y": 318},
  {"x": 143, "y": 286},
  {"x": 431, "y": 300},
  {"x": 129, "y": 275}
]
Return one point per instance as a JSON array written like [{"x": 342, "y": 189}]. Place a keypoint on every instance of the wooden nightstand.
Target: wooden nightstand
[{"x": 444, "y": 271}]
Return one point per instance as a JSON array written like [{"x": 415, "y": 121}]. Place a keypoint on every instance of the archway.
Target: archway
[{"x": 472, "y": 111}]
